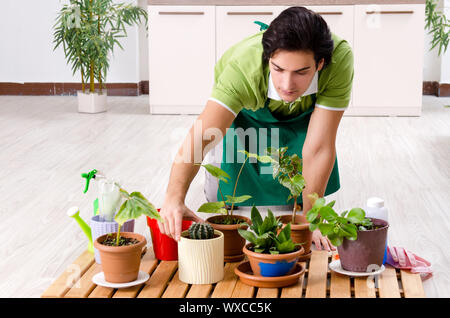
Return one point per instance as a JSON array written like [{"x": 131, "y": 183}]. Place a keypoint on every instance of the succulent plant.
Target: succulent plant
[{"x": 201, "y": 231}]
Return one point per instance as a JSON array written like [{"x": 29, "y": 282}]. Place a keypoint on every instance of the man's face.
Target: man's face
[{"x": 293, "y": 72}]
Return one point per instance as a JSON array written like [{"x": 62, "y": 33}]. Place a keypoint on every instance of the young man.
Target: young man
[{"x": 295, "y": 78}]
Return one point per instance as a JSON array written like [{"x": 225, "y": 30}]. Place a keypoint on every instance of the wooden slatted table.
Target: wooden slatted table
[{"x": 316, "y": 282}]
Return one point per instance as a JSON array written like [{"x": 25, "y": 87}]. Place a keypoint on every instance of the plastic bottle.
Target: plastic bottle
[{"x": 375, "y": 209}]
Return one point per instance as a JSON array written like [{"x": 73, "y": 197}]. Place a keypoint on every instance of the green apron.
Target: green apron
[{"x": 261, "y": 186}]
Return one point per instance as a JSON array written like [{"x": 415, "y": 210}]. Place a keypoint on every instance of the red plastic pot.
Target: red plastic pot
[{"x": 165, "y": 248}]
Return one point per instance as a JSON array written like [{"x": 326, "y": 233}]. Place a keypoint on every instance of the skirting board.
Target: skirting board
[{"x": 351, "y": 111}]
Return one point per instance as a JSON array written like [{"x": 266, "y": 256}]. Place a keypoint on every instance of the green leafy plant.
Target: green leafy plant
[
  {"x": 88, "y": 30},
  {"x": 221, "y": 206},
  {"x": 263, "y": 234},
  {"x": 134, "y": 206},
  {"x": 336, "y": 227},
  {"x": 288, "y": 170},
  {"x": 438, "y": 25}
]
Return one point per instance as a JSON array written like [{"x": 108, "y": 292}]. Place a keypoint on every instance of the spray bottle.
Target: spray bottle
[{"x": 375, "y": 209}]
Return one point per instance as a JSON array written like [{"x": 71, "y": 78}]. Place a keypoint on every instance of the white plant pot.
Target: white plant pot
[
  {"x": 91, "y": 102},
  {"x": 201, "y": 261}
]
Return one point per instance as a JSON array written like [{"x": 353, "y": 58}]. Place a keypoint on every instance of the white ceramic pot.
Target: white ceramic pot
[
  {"x": 201, "y": 261},
  {"x": 91, "y": 102}
]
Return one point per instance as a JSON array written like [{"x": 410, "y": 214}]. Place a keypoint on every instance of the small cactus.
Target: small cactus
[{"x": 201, "y": 231}]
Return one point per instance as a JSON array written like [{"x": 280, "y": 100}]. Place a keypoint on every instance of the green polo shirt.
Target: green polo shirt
[{"x": 241, "y": 80}]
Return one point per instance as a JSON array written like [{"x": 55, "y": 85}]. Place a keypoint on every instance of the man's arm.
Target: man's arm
[
  {"x": 319, "y": 153},
  {"x": 213, "y": 121}
]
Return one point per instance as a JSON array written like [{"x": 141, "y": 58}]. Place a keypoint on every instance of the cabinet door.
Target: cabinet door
[
  {"x": 181, "y": 58},
  {"x": 388, "y": 59},
  {"x": 234, "y": 23},
  {"x": 339, "y": 20}
]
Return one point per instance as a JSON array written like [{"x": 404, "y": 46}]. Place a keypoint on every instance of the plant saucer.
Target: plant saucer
[
  {"x": 234, "y": 258},
  {"x": 336, "y": 267},
  {"x": 245, "y": 273},
  {"x": 99, "y": 279}
]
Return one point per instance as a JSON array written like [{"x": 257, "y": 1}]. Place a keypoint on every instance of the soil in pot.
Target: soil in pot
[
  {"x": 121, "y": 264},
  {"x": 233, "y": 242},
  {"x": 123, "y": 241},
  {"x": 367, "y": 249},
  {"x": 300, "y": 232}
]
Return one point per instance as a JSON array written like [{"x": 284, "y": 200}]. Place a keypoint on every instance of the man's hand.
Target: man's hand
[
  {"x": 173, "y": 214},
  {"x": 322, "y": 241}
]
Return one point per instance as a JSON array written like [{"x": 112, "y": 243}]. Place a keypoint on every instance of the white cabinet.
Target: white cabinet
[
  {"x": 185, "y": 42},
  {"x": 181, "y": 58},
  {"x": 388, "y": 49},
  {"x": 234, "y": 23}
]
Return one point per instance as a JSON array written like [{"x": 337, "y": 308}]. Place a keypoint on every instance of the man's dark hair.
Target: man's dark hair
[{"x": 298, "y": 29}]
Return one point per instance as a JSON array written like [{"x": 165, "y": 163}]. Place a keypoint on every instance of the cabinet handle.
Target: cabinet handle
[
  {"x": 389, "y": 12},
  {"x": 330, "y": 13},
  {"x": 249, "y": 13},
  {"x": 180, "y": 13}
]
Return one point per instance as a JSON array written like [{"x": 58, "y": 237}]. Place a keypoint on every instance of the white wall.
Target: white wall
[
  {"x": 445, "y": 62},
  {"x": 26, "y": 49}
]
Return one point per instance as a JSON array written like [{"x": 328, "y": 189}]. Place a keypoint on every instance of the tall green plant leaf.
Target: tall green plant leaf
[{"x": 134, "y": 207}]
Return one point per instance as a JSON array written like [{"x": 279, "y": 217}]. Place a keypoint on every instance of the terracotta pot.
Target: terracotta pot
[
  {"x": 100, "y": 228},
  {"x": 121, "y": 264},
  {"x": 300, "y": 232},
  {"x": 269, "y": 265},
  {"x": 233, "y": 242},
  {"x": 200, "y": 261},
  {"x": 367, "y": 249}
]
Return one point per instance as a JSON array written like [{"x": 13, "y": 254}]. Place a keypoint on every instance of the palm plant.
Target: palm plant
[
  {"x": 88, "y": 31},
  {"x": 438, "y": 25}
]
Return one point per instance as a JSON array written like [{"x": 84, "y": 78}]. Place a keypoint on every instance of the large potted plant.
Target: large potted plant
[
  {"x": 88, "y": 30},
  {"x": 226, "y": 222},
  {"x": 360, "y": 241},
  {"x": 271, "y": 252},
  {"x": 200, "y": 255},
  {"x": 287, "y": 169},
  {"x": 121, "y": 252}
]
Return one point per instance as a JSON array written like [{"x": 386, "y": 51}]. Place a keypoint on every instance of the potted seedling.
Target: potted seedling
[
  {"x": 200, "y": 255},
  {"x": 271, "y": 251},
  {"x": 287, "y": 169},
  {"x": 88, "y": 30},
  {"x": 121, "y": 252},
  {"x": 227, "y": 222},
  {"x": 360, "y": 241}
]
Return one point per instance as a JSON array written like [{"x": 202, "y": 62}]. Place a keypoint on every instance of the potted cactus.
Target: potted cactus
[
  {"x": 121, "y": 252},
  {"x": 88, "y": 30},
  {"x": 200, "y": 255},
  {"x": 271, "y": 251},
  {"x": 360, "y": 241}
]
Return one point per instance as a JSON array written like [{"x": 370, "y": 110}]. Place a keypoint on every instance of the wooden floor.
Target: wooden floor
[{"x": 45, "y": 145}]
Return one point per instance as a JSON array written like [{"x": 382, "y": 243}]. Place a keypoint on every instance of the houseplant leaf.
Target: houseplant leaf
[
  {"x": 213, "y": 207},
  {"x": 356, "y": 215},
  {"x": 240, "y": 199},
  {"x": 217, "y": 172},
  {"x": 136, "y": 205}
]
